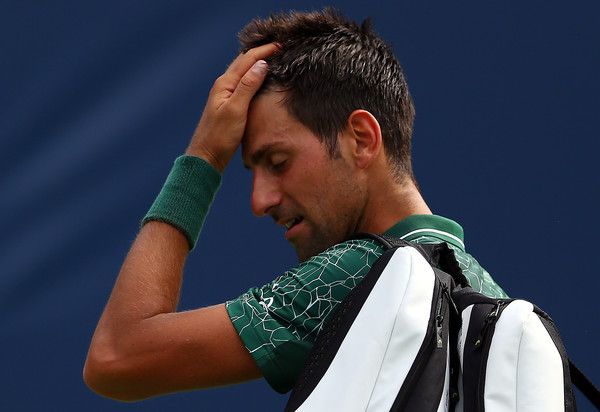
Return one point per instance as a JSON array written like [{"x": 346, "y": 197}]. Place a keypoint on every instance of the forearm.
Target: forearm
[{"x": 150, "y": 278}]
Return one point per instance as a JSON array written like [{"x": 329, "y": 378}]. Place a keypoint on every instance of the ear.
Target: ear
[{"x": 364, "y": 137}]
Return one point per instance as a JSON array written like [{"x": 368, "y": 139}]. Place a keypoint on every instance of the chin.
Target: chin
[{"x": 316, "y": 240}]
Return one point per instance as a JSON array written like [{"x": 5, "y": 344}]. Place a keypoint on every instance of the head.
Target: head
[
  {"x": 333, "y": 109},
  {"x": 329, "y": 67}
]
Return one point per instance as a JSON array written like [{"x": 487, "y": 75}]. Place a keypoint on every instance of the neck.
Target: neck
[{"x": 391, "y": 202}]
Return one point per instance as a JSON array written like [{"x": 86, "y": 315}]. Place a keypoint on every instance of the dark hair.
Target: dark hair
[{"x": 329, "y": 67}]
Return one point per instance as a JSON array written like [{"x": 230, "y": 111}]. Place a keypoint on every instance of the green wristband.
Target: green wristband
[{"x": 186, "y": 196}]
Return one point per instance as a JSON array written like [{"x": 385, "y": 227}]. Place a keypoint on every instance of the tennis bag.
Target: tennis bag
[{"x": 411, "y": 337}]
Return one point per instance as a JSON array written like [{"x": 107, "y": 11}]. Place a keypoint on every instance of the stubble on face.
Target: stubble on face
[{"x": 336, "y": 212}]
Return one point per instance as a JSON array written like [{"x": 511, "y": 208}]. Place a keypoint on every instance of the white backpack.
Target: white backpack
[{"x": 411, "y": 337}]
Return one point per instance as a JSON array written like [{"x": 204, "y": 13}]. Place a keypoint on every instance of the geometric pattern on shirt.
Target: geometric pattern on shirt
[{"x": 301, "y": 300}]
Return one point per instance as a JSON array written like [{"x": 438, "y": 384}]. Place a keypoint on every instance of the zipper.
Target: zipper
[
  {"x": 483, "y": 343},
  {"x": 433, "y": 338},
  {"x": 439, "y": 318},
  {"x": 489, "y": 323}
]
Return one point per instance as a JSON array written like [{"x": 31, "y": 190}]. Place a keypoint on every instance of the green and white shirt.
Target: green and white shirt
[{"x": 280, "y": 321}]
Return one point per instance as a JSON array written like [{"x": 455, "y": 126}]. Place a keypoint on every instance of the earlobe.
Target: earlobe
[{"x": 365, "y": 133}]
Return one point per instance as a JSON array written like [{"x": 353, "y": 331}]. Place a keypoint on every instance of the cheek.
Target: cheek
[
  {"x": 308, "y": 181},
  {"x": 323, "y": 187}
]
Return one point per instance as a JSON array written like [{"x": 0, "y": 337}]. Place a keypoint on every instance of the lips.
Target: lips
[
  {"x": 292, "y": 223},
  {"x": 293, "y": 229}
]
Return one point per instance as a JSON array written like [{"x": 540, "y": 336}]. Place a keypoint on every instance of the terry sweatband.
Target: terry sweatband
[{"x": 186, "y": 196}]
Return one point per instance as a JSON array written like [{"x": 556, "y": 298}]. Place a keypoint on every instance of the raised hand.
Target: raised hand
[{"x": 222, "y": 125}]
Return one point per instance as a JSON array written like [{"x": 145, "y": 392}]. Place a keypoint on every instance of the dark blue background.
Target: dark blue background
[{"x": 98, "y": 98}]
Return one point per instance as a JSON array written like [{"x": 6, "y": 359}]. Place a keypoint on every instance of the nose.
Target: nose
[{"x": 265, "y": 193}]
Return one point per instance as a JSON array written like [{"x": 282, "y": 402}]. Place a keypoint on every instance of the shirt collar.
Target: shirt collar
[{"x": 416, "y": 226}]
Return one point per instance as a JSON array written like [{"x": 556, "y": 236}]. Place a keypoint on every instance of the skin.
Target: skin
[{"x": 142, "y": 346}]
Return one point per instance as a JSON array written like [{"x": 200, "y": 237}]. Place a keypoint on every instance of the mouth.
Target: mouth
[{"x": 290, "y": 224}]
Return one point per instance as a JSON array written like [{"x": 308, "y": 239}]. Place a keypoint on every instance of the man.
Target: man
[{"x": 323, "y": 114}]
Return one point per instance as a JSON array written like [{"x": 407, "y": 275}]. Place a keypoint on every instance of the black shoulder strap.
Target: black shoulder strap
[
  {"x": 584, "y": 384},
  {"x": 437, "y": 254},
  {"x": 386, "y": 241}
]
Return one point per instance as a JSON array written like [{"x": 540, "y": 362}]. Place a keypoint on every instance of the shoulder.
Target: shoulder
[{"x": 348, "y": 257}]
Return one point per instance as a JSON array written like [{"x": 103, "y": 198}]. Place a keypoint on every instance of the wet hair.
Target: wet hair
[{"x": 329, "y": 67}]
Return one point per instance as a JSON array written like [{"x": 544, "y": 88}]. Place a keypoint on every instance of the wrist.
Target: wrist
[
  {"x": 208, "y": 156},
  {"x": 186, "y": 196}
]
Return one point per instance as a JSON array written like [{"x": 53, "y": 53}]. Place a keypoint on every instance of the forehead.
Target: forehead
[{"x": 271, "y": 127}]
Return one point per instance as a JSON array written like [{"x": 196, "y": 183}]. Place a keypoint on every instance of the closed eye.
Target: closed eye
[
  {"x": 279, "y": 161},
  {"x": 279, "y": 166}
]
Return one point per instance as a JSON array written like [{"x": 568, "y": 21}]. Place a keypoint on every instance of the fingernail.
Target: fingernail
[{"x": 260, "y": 67}]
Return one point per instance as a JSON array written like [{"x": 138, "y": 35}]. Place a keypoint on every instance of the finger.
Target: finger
[
  {"x": 244, "y": 62},
  {"x": 249, "y": 84}
]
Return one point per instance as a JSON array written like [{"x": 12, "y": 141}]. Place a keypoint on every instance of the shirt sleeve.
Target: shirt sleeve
[{"x": 280, "y": 321}]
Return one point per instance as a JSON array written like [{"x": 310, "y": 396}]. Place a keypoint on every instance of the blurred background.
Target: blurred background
[{"x": 98, "y": 98}]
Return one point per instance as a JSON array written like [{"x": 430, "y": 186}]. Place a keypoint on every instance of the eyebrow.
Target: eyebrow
[{"x": 259, "y": 154}]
